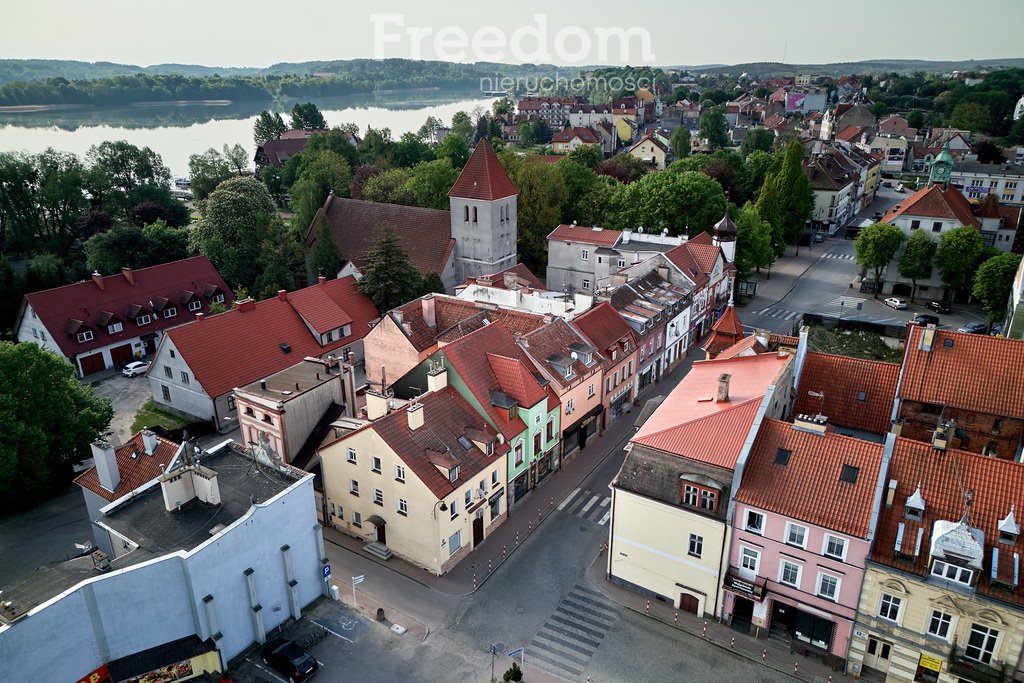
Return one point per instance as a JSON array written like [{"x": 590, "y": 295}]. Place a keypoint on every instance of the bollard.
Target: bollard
[
  {"x": 648, "y": 611},
  {"x": 552, "y": 504},
  {"x": 705, "y": 629},
  {"x": 517, "y": 538},
  {"x": 733, "y": 644},
  {"x": 474, "y": 581},
  {"x": 538, "y": 514},
  {"x": 830, "y": 678},
  {"x": 488, "y": 566},
  {"x": 503, "y": 549},
  {"x": 796, "y": 668},
  {"x": 675, "y": 618},
  {"x": 529, "y": 528},
  {"x": 764, "y": 655}
]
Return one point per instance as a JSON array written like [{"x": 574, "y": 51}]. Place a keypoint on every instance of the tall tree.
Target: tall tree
[
  {"x": 917, "y": 259},
  {"x": 681, "y": 142},
  {"x": 713, "y": 127},
  {"x": 756, "y": 167},
  {"x": 335, "y": 140},
  {"x": 237, "y": 158},
  {"x": 307, "y": 115},
  {"x": 325, "y": 258},
  {"x": 915, "y": 119},
  {"x": 541, "y": 197},
  {"x": 207, "y": 171},
  {"x": 753, "y": 241},
  {"x": 428, "y": 131},
  {"x": 455, "y": 149},
  {"x": 993, "y": 283},
  {"x": 377, "y": 147},
  {"x": 389, "y": 279},
  {"x": 588, "y": 156},
  {"x": 429, "y": 182},
  {"x": 122, "y": 175},
  {"x": 322, "y": 172},
  {"x": 971, "y": 116},
  {"x": 958, "y": 256},
  {"x": 796, "y": 197},
  {"x": 10, "y": 298},
  {"x": 267, "y": 127},
  {"x": 47, "y": 421},
  {"x": 360, "y": 177},
  {"x": 876, "y": 246},
  {"x": 768, "y": 207},
  {"x": 681, "y": 203}
]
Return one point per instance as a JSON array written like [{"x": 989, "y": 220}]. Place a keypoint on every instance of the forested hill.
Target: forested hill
[{"x": 871, "y": 66}]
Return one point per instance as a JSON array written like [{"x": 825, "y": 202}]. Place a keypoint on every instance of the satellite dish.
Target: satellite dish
[{"x": 574, "y": 355}]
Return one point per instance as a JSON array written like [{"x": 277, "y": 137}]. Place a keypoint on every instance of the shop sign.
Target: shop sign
[
  {"x": 495, "y": 496},
  {"x": 931, "y": 663},
  {"x": 750, "y": 589},
  {"x": 100, "y": 675}
]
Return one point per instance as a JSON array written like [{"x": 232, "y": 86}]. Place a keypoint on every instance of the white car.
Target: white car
[
  {"x": 896, "y": 302},
  {"x": 138, "y": 367}
]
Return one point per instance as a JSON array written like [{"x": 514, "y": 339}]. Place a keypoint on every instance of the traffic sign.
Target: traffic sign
[
  {"x": 327, "y": 571},
  {"x": 356, "y": 580},
  {"x": 516, "y": 652}
]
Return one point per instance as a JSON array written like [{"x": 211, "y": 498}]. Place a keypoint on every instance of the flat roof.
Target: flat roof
[{"x": 291, "y": 382}]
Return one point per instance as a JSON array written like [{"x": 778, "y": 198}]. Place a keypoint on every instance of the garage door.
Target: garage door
[
  {"x": 120, "y": 355},
  {"x": 91, "y": 364}
]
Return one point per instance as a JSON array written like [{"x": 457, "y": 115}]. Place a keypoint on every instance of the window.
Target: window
[
  {"x": 474, "y": 214},
  {"x": 981, "y": 643},
  {"x": 231, "y": 403},
  {"x": 755, "y": 522},
  {"x": 168, "y": 373},
  {"x": 914, "y": 225},
  {"x": 400, "y": 473},
  {"x": 184, "y": 377},
  {"x": 166, "y": 391},
  {"x": 570, "y": 406},
  {"x": 585, "y": 254},
  {"x": 468, "y": 499},
  {"x": 938, "y": 624},
  {"x": 708, "y": 499},
  {"x": 696, "y": 545},
  {"x": 520, "y": 454},
  {"x": 378, "y": 497},
  {"x": 494, "y": 478},
  {"x": 629, "y": 367},
  {"x": 357, "y": 518},
  {"x": 268, "y": 419},
  {"x": 890, "y": 608},
  {"x": 691, "y": 495},
  {"x": 615, "y": 377},
  {"x": 85, "y": 336},
  {"x": 249, "y": 411},
  {"x": 749, "y": 559},
  {"x": 453, "y": 474},
  {"x": 937, "y": 226},
  {"x": 782, "y": 456},
  {"x": 465, "y": 213},
  {"x": 170, "y": 312},
  {"x": 455, "y": 509},
  {"x": 353, "y": 487},
  {"x": 218, "y": 298},
  {"x": 586, "y": 283},
  {"x": 862, "y": 396},
  {"x": 403, "y": 507},
  {"x": 789, "y": 574},
  {"x": 454, "y": 542},
  {"x": 195, "y": 305},
  {"x": 590, "y": 391},
  {"x": 608, "y": 384},
  {"x": 796, "y": 535},
  {"x": 849, "y": 474},
  {"x": 115, "y": 328},
  {"x": 622, "y": 263},
  {"x": 173, "y": 355},
  {"x": 828, "y": 587},
  {"x": 835, "y": 547},
  {"x": 952, "y": 572},
  {"x": 375, "y": 466},
  {"x": 352, "y": 455}
]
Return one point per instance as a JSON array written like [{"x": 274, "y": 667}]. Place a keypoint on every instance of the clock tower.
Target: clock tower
[{"x": 942, "y": 167}]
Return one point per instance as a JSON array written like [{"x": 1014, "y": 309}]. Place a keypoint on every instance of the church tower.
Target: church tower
[
  {"x": 483, "y": 215},
  {"x": 942, "y": 167},
  {"x": 725, "y": 237}
]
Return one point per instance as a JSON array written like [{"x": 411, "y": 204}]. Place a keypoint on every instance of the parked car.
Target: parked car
[
  {"x": 288, "y": 659},
  {"x": 900, "y": 188},
  {"x": 896, "y": 302},
  {"x": 996, "y": 330},
  {"x": 973, "y": 328},
  {"x": 926, "y": 319},
  {"x": 877, "y": 216},
  {"x": 886, "y": 183},
  {"x": 938, "y": 306},
  {"x": 820, "y": 236},
  {"x": 135, "y": 368}
]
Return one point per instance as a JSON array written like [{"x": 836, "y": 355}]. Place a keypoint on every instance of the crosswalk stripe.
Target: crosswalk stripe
[
  {"x": 561, "y": 506},
  {"x": 552, "y": 661},
  {"x": 605, "y": 518},
  {"x": 586, "y": 508},
  {"x": 578, "y": 616}
]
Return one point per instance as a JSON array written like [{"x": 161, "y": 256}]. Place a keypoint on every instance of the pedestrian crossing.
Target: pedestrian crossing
[
  {"x": 586, "y": 504},
  {"x": 568, "y": 639},
  {"x": 778, "y": 313},
  {"x": 839, "y": 255}
]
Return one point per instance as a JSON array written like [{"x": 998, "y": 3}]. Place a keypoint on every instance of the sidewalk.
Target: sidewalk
[
  {"x": 767, "y": 651},
  {"x": 773, "y": 287}
]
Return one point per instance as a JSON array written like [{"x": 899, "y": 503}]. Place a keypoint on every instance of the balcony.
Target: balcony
[{"x": 960, "y": 665}]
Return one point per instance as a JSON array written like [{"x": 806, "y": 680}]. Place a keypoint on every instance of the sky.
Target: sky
[{"x": 258, "y": 33}]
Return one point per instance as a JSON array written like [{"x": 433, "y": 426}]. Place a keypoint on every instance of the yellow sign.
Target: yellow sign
[{"x": 930, "y": 663}]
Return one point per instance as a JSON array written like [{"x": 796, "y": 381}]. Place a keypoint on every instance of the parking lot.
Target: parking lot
[{"x": 127, "y": 394}]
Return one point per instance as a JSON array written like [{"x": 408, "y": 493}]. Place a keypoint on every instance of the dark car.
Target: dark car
[
  {"x": 923, "y": 319},
  {"x": 973, "y": 328},
  {"x": 939, "y": 306},
  {"x": 288, "y": 659}
]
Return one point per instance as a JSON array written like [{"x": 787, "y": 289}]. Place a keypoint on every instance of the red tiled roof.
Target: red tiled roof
[
  {"x": 135, "y": 467},
  {"x": 726, "y": 331},
  {"x": 279, "y": 151},
  {"x": 976, "y": 372},
  {"x": 446, "y": 417},
  {"x": 749, "y": 344},
  {"x": 988, "y": 208},
  {"x": 603, "y": 237},
  {"x": 238, "y": 347},
  {"x": 356, "y": 225},
  {"x": 944, "y": 476},
  {"x": 483, "y": 177},
  {"x": 586, "y": 135},
  {"x": 553, "y": 340},
  {"x": 690, "y": 423},
  {"x": 849, "y": 133},
  {"x": 683, "y": 258},
  {"x": 522, "y": 274},
  {"x": 604, "y": 328},
  {"x": 842, "y": 379},
  {"x": 455, "y": 318},
  {"x": 93, "y": 308},
  {"x": 934, "y": 202},
  {"x": 808, "y": 487}
]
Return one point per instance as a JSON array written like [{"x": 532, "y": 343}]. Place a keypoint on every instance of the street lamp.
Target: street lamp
[{"x": 443, "y": 507}]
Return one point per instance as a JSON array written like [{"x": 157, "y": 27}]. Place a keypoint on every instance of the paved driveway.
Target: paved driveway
[{"x": 127, "y": 394}]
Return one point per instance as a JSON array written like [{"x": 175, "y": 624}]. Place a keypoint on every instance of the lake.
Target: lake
[{"x": 176, "y": 132}]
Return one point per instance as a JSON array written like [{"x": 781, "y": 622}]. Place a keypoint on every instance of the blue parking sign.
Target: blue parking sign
[{"x": 327, "y": 571}]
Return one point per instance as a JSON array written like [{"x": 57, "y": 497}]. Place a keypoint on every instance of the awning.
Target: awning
[{"x": 376, "y": 520}]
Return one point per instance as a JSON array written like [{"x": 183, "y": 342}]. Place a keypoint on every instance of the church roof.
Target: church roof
[{"x": 483, "y": 177}]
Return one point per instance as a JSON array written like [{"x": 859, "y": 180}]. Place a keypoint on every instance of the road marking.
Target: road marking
[
  {"x": 565, "y": 502},
  {"x": 607, "y": 516},
  {"x": 336, "y": 634},
  {"x": 587, "y": 507},
  {"x": 270, "y": 671}
]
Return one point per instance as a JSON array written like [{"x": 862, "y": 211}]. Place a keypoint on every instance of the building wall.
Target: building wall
[
  {"x": 31, "y": 330},
  {"x": 907, "y": 635},
  {"x": 999, "y": 436},
  {"x": 649, "y": 549},
  {"x": 484, "y": 243},
  {"x": 126, "y": 611},
  {"x": 386, "y": 345},
  {"x": 186, "y": 398},
  {"x": 1007, "y": 186},
  {"x": 567, "y": 267},
  {"x": 582, "y": 400}
]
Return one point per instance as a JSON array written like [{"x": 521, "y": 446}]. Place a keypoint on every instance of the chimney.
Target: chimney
[
  {"x": 199, "y": 316},
  {"x": 263, "y": 385},
  {"x": 98, "y": 279},
  {"x": 376, "y": 404},
  {"x": 149, "y": 441},
  {"x": 399, "y": 316},
  {"x": 415, "y": 414},
  {"x": 511, "y": 281},
  {"x": 105, "y": 460},
  {"x": 723, "y": 387},
  {"x": 429, "y": 312},
  {"x": 282, "y": 295},
  {"x": 890, "y": 494},
  {"x": 437, "y": 378},
  {"x": 320, "y": 280},
  {"x": 128, "y": 275},
  {"x": 815, "y": 424},
  {"x": 246, "y": 304}
]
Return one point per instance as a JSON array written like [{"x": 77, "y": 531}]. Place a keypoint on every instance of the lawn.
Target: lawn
[
  {"x": 856, "y": 344},
  {"x": 149, "y": 416}
]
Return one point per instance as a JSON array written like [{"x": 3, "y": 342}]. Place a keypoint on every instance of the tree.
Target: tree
[
  {"x": 970, "y": 116},
  {"x": 503, "y": 106},
  {"x": 10, "y": 298},
  {"x": 307, "y": 115},
  {"x": 282, "y": 261},
  {"x": 236, "y": 157},
  {"x": 588, "y": 156},
  {"x": 768, "y": 207},
  {"x": 360, "y": 177},
  {"x": 757, "y": 139},
  {"x": 335, "y": 140},
  {"x": 432, "y": 284},
  {"x": 324, "y": 257},
  {"x": 429, "y": 182},
  {"x": 989, "y": 153},
  {"x": 756, "y": 168},
  {"x": 207, "y": 171},
  {"x": 135, "y": 247},
  {"x": 270, "y": 176},
  {"x": 377, "y": 147},
  {"x": 267, "y": 127},
  {"x": 753, "y": 241},
  {"x": 428, "y": 131},
  {"x": 876, "y": 246},
  {"x": 796, "y": 197},
  {"x": 389, "y": 279},
  {"x": 916, "y": 262},
  {"x": 47, "y": 421},
  {"x": 713, "y": 127},
  {"x": 915, "y": 119},
  {"x": 681, "y": 203},
  {"x": 411, "y": 150},
  {"x": 322, "y": 172},
  {"x": 542, "y": 194},
  {"x": 455, "y": 149},
  {"x": 958, "y": 256},
  {"x": 121, "y": 173},
  {"x": 993, "y": 283},
  {"x": 681, "y": 142},
  {"x": 625, "y": 168},
  {"x": 389, "y": 187}
]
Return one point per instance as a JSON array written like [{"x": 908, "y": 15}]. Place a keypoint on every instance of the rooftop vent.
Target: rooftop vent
[
  {"x": 286, "y": 347},
  {"x": 816, "y": 424}
]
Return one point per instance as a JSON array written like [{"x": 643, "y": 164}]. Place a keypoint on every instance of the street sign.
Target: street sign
[
  {"x": 327, "y": 571},
  {"x": 516, "y": 652},
  {"x": 356, "y": 580}
]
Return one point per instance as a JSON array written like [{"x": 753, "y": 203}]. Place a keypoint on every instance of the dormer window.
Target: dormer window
[
  {"x": 915, "y": 505},
  {"x": 85, "y": 336},
  {"x": 114, "y": 328},
  {"x": 1009, "y": 530},
  {"x": 195, "y": 305},
  {"x": 952, "y": 572},
  {"x": 143, "y": 320},
  {"x": 453, "y": 474}
]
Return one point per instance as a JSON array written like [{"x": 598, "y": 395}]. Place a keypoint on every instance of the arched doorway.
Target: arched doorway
[{"x": 379, "y": 524}]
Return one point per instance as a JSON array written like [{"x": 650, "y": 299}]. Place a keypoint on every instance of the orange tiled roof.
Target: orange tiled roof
[
  {"x": 843, "y": 379},
  {"x": 603, "y": 327},
  {"x": 945, "y": 476},
  {"x": 135, "y": 467},
  {"x": 934, "y": 202},
  {"x": 455, "y": 318},
  {"x": 750, "y": 343},
  {"x": 969, "y": 371},
  {"x": 726, "y": 331},
  {"x": 483, "y": 177},
  {"x": 807, "y": 487}
]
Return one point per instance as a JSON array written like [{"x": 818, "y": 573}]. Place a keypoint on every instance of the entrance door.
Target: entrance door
[
  {"x": 381, "y": 537},
  {"x": 877, "y": 656},
  {"x": 688, "y": 603},
  {"x": 582, "y": 431},
  {"x": 478, "y": 530},
  {"x": 742, "y": 614}
]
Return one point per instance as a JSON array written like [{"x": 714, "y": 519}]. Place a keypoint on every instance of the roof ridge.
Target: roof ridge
[{"x": 733, "y": 405}]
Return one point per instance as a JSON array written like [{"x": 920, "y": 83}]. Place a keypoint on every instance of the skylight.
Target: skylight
[
  {"x": 782, "y": 456},
  {"x": 849, "y": 474}
]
